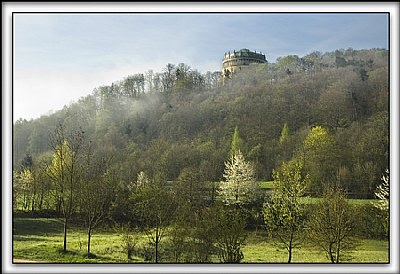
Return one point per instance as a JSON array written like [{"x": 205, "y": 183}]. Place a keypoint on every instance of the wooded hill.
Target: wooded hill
[{"x": 328, "y": 109}]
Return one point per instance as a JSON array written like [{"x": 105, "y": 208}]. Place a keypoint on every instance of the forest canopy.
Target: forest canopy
[{"x": 329, "y": 111}]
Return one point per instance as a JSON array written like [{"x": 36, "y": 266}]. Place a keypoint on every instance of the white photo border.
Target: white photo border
[{"x": 328, "y": 7}]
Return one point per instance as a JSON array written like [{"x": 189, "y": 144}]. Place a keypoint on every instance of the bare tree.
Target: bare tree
[
  {"x": 168, "y": 77},
  {"x": 154, "y": 207},
  {"x": 64, "y": 170},
  {"x": 96, "y": 194}
]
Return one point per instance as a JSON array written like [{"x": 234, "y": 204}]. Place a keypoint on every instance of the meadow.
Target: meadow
[
  {"x": 268, "y": 186},
  {"x": 40, "y": 240}
]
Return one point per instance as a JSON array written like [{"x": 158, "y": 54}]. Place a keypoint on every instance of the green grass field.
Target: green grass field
[
  {"x": 269, "y": 186},
  {"x": 260, "y": 249},
  {"x": 314, "y": 200},
  {"x": 42, "y": 240}
]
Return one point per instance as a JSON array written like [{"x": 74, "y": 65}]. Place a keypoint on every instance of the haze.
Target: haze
[{"x": 59, "y": 58}]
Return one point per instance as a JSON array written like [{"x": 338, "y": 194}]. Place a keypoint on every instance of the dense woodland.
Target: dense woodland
[{"x": 152, "y": 150}]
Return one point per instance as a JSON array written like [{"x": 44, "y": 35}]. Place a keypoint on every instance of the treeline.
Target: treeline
[{"x": 179, "y": 118}]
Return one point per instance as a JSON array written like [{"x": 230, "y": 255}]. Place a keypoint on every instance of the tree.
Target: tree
[
  {"x": 340, "y": 62},
  {"x": 237, "y": 142},
  {"x": 320, "y": 157},
  {"x": 231, "y": 235},
  {"x": 141, "y": 182},
  {"x": 372, "y": 145},
  {"x": 130, "y": 87},
  {"x": 212, "y": 79},
  {"x": 96, "y": 195},
  {"x": 190, "y": 189},
  {"x": 227, "y": 74},
  {"x": 129, "y": 241},
  {"x": 240, "y": 185},
  {"x": 285, "y": 134},
  {"x": 64, "y": 171},
  {"x": 184, "y": 80},
  {"x": 23, "y": 189},
  {"x": 32, "y": 184},
  {"x": 286, "y": 143},
  {"x": 121, "y": 209},
  {"x": 191, "y": 235},
  {"x": 22, "y": 130},
  {"x": 290, "y": 63},
  {"x": 60, "y": 172},
  {"x": 203, "y": 235},
  {"x": 284, "y": 212},
  {"x": 331, "y": 226},
  {"x": 311, "y": 62},
  {"x": 168, "y": 77},
  {"x": 154, "y": 207},
  {"x": 27, "y": 162},
  {"x": 382, "y": 193},
  {"x": 17, "y": 190},
  {"x": 333, "y": 108},
  {"x": 38, "y": 140},
  {"x": 149, "y": 81},
  {"x": 179, "y": 233},
  {"x": 43, "y": 185}
]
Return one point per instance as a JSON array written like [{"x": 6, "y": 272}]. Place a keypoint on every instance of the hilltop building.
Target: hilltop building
[{"x": 234, "y": 61}]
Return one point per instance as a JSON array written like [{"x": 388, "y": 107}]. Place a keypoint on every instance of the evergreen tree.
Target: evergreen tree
[
  {"x": 237, "y": 142},
  {"x": 284, "y": 134}
]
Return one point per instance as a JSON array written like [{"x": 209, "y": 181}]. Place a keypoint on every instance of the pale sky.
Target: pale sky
[{"x": 59, "y": 58}]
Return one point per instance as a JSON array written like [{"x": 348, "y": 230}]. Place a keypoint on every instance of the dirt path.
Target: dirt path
[{"x": 18, "y": 261}]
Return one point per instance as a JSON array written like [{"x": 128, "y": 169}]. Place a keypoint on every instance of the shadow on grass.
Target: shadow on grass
[
  {"x": 21, "y": 238},
  {"x": 67, "y": 252},
  {"x": 80, "y": 257},
  {"x": 36, "y": 226},
  {"x": 90, "y": 256}
]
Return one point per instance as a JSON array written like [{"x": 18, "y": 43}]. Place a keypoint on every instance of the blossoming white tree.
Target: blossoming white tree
[
  {"x": 240, "y": 185},
  {"x": 382, "y": 193}
]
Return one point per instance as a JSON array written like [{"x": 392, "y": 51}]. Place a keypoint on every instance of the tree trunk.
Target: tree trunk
[
  {"x": 88, "y": 242},
  {"x": 337, "y": 252},
  {"x": 290, "y": 249},
  {"x": 33, "y": 205},
  {"x": 40, "y": 202},
  {"x": 213, "y": 190},
  {"x": 25, "y": 203},
  {"x": 331, "y": 254},
  {"x": 58, "y": 207},
  {"x": 65, "y": 233},
  {"x": 157, "y": 240}
]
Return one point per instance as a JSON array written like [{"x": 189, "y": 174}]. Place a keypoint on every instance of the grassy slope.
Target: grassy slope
[{"x": 42, "y": 240}]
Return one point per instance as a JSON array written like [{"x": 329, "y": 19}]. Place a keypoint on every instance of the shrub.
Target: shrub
[
  {"x": 129, "y": 242},
  {"x": 370, "y": 222}
]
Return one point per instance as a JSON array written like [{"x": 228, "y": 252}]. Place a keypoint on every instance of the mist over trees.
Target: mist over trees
[{"x": 154, "y": 143}]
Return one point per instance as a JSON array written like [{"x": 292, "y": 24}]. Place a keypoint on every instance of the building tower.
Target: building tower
[{"x": 234, "y": 61}]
